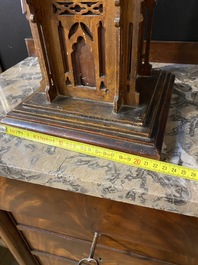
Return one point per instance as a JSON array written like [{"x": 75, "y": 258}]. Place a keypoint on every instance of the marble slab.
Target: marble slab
[{"x": 33, "y": 162}]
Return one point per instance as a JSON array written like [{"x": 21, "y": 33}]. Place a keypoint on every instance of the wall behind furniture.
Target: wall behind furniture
[
  {"x": 174, "y": 20},
  {"x": 14, "y": 28}
]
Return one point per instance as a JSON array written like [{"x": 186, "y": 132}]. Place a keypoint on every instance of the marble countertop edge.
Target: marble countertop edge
[{"x": 33, "y": 162}]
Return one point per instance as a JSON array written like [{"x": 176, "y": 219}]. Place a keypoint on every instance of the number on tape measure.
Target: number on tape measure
[
  {"x": 117, "y": 156},
  {"x": 137, "y": 161}
]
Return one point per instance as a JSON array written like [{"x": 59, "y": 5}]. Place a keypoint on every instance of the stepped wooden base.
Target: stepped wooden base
[{"x": 136, "y": 130}]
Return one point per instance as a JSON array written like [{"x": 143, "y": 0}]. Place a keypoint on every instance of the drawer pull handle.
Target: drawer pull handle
[{"x": 90, "y": 260}]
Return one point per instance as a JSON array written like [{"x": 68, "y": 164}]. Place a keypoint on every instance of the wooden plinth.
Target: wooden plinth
[{"x": 136, "y": 130}]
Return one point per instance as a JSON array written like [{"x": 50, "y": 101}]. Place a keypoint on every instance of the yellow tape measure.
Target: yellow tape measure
[{"x": 112, "y": 155}]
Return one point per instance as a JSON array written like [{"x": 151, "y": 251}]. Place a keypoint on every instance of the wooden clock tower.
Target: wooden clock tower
[{"x": 98, "y": 85}]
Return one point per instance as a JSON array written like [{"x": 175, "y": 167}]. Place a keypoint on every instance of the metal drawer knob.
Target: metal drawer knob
[{"x": 90, "y": 260}]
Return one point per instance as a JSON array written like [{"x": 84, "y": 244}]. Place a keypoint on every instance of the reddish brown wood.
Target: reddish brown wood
[
  {"x": 111, "y": 31},
  {"x": 174, "y": 52},
  {"x": 14, "y": 241},
  {"x": 97, "y": 71},
  {"x": 30, "y": 47},
  {"x": 59, "y": 226},
  {"x": 95, "y": 124}
]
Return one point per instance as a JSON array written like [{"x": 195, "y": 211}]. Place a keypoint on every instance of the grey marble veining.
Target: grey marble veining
[{"x": 33, "y": 162}]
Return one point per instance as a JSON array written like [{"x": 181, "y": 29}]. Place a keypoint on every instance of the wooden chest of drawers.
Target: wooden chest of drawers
[{"x": 57, "y": 227}]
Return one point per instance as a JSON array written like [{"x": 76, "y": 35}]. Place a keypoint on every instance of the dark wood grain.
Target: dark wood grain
[
  {"x": 30, "y": 46},
  {"x": 174, "y": 52},
  {"x": 55, "y": 222},
  {"x": 112, "y": 34},
  {"x": 14, "y": 241},
  {"x": 6, "y": 257},
  {"x": 94, "y": 53},
  {"x": 136, "y": 131},
  {"x": 53, "y": 260}
]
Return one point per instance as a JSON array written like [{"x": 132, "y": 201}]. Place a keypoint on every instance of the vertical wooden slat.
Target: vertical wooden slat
[{"x": 14, "y": 241}]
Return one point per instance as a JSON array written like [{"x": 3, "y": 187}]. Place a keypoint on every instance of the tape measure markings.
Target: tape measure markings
[{"x": 105, "y": 153}]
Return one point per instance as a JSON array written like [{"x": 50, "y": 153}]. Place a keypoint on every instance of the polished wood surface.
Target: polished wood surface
[
  {"x": 93, "y": 50},
  {"x": 59, "y": 225},
  {"x": 174, "y": 52},
  {"x": 98, "y": 84},
  {"x": 14, "y": 240},
  {"x": 132, "y": 130}
]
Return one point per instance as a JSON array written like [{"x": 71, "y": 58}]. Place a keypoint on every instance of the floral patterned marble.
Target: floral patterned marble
[{"x": 49, "y": 166}]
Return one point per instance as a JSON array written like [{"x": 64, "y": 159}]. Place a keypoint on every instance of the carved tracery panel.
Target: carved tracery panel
[
  {"x": 82, "y": 35},
  {"x": 79, "y": 8},
  {"x": 93, "y": 50}
]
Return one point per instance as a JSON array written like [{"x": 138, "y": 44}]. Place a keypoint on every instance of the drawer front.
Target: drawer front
[
  {"x": 72, "y": 250},
  {"x": 56, "y": 244},
  {"x": 75, "y": 248},
  {"x": 157, "y": 234},
  {"x": 48, "y": 260}
]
